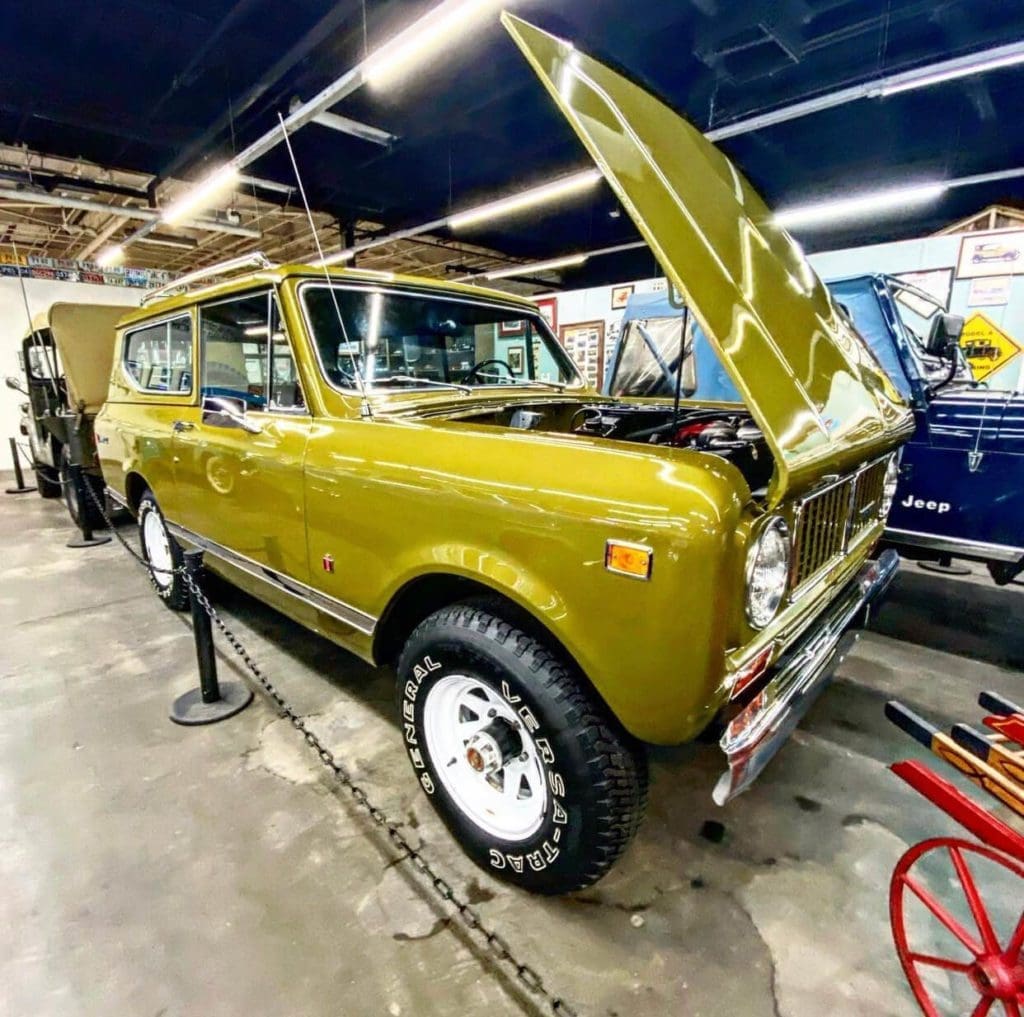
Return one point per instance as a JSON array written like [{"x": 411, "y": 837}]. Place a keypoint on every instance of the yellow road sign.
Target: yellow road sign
[{"x": 986, "y": 346}]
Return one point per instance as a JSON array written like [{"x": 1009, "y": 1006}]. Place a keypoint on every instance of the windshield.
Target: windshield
[
  {"x": 917, "y": 309},
  {"x": 648, "y": 362},
  {"x": 417, "y": 340}
]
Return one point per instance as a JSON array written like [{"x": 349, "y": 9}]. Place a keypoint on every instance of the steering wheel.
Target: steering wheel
[{"x": 476, "y": 371}]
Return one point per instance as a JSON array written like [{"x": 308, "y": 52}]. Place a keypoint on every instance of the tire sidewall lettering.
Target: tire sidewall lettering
[{"x": 541, "y": 855}]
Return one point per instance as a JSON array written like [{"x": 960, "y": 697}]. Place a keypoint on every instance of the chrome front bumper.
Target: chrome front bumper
[{"x": 760, "y": 729}]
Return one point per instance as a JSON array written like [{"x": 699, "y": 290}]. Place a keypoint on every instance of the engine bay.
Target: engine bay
[
  {"x": 728, "y": 432},
  {"x": 731, "y": 434}
]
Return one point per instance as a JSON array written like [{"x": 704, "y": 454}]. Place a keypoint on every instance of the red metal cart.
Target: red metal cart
[{"x": 982, "y": 960}]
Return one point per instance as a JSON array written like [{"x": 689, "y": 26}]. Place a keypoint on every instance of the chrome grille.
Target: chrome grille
[{"x": 829, "y": 519}]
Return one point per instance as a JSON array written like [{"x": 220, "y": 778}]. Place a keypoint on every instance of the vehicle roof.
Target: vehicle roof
[{"x": 279, "y": 273}]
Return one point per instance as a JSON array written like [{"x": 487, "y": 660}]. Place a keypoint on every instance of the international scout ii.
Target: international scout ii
[{"x": 417, "y": 471}]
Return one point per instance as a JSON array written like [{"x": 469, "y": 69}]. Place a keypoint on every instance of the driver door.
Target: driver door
[{"x": 239, "y": 454}]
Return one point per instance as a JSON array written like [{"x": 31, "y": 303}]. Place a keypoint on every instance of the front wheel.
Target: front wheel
[
  {"x": 163, "y": 553},
  {"x": 530, "y": 772}
]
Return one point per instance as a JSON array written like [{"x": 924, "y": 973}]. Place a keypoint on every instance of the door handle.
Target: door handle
[{"x": 183, "y": 425}]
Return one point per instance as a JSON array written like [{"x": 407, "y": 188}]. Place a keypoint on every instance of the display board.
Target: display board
[{"x": 584, "y": 342}]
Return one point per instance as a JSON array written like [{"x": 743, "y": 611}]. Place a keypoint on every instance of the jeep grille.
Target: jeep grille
[{"x": 829, "y": 520}]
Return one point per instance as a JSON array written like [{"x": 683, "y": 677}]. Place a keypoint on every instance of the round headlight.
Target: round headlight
[
  {"x": 892, "y": 478},
  {"x": 767, "y": 572}
]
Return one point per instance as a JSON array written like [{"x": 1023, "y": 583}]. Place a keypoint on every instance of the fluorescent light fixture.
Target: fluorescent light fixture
[
  {"x": 202, "y": 195},
  {"x": 538, "y": 266},
  {"x": 524, "y": 199},
  {"x": 110, "y": 256},
  {"x": 951, "y": 73},
  {"x": 824, "y": 212},
  {"x": 255, "y": 330},
  {"x": 449, "y": 19},
  {"x": 336, "y": 259}
]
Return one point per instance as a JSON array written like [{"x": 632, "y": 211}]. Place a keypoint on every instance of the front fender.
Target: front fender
[{"x": 529, "y": 518}]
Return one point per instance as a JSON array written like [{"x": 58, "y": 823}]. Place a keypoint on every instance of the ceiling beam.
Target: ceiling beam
[{"x": 151, "y": 216}]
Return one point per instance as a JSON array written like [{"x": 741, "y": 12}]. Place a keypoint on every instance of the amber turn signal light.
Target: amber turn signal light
[{"x": 628, "y": 559}]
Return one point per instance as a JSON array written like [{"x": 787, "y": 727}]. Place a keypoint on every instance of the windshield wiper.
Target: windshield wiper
[
  {"x": 542, "y": 384},
  {"x": 423, "y": 381}
]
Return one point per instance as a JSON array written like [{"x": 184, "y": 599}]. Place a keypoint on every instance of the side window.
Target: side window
[
  {"x": 158, "y": 358},
  {"x": 245, "y": 353}
]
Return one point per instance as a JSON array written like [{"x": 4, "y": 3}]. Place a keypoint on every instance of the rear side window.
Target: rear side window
[
  {"x": 158, "y": 358},
  {"x": 246, "y": 354}
]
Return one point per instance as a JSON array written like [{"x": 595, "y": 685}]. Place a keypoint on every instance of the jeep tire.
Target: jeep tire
[
  {"x": 46, "y": 485},
  {"x": 80, "y": 504},
  {"x": 163, "y": 552},
  {"x": 528, "y": 769}
]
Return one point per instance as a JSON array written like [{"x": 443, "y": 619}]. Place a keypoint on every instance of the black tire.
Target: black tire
[
  {"x": 47, "y": 483},
  {"x": 1003, "y": 573},
  {"x": 80, "y": 504},
  {"x": 594, "y": 773},
  {"x": 170, "y": 588}
]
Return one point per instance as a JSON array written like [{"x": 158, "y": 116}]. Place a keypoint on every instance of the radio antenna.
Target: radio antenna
[
  {"x": 37, "y": 342},
  {"x": 365, "y": 409}
]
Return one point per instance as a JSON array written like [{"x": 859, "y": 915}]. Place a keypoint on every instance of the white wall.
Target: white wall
[{"x": 14, "y": 325}]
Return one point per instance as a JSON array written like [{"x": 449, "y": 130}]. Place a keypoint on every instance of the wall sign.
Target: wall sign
[
  {"x": 987, "y": 254},
  {"x": 989, "y": 292},
  {"x": 986, "y": 346}
]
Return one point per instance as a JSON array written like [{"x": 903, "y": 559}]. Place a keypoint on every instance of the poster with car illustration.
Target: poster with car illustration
[{"x": 988, "y": 254}]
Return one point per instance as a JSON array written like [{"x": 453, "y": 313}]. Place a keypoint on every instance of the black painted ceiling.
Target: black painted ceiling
[{"x": 166, "y": 86}]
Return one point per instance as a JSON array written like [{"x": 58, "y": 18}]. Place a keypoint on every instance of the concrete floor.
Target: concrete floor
[{"x": 149, "y": 869}]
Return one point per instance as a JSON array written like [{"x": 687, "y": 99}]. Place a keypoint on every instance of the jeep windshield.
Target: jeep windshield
[
  {"x": 917, "y": 309},
  {"x": 413, "y": 340}
]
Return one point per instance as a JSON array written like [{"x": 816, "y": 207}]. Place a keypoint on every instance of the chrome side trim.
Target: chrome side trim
[
  {"x": 955, "y": 545},
  {"x": 338, "y": 609},
  {"x": 756, "y": 733},
  {"x": 119, "y": 498}
]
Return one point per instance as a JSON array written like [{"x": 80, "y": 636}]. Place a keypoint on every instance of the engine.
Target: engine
[{"x": 732, "y": 435}]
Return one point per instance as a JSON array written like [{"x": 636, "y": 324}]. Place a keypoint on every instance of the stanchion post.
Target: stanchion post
[
  {"x": 19, "y": 477},
  {"x": 78, "y": 480},
  {"x": 212, "y": 701},
  {"x": 202, "y": 627}
]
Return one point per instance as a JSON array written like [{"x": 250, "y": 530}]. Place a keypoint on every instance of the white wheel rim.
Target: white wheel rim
[
  {"x": 509, "y": 804},
  {"x": 158, "y": 548}
]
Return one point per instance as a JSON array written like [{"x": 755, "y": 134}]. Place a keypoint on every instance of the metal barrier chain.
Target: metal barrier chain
[
  {"x": 151, "y": 569},
  {"x": 527, "y": 976}
]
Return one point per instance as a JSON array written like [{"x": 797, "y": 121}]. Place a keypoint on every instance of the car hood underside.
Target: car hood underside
[{"x": 809, "y": 380}]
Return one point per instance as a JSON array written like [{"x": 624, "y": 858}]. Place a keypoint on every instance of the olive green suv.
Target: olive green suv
[{"x": 417, "y": 471}]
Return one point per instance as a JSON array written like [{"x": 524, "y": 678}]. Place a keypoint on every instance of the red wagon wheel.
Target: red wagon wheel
[{"x": 991, "y": 969}]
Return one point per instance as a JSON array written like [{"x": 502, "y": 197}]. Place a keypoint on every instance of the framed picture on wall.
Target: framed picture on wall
[
  {"x": 585, "y": 344},
  {"x": 516, "y": 356},
  {"x": 988, "y": 254},
  {"x": 510, "y": 328},
  {"x": 936, "y": 282},
  {"x": 548, "y": 307},
  {"x": 620, "y": 297}
]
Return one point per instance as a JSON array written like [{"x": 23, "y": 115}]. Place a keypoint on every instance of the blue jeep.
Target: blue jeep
[{"x": 961, "y": 490}]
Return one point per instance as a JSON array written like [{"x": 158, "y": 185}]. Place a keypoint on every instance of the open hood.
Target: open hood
[
  {"x": 84, "y": 336},
  {"x": 808, "y": 378}
]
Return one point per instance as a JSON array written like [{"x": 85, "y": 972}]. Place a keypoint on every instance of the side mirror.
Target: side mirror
[
  {"x": 219, "y": 411},
  {"x": 11, "y": 382},
  {"x": 944, "y": 334}
]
